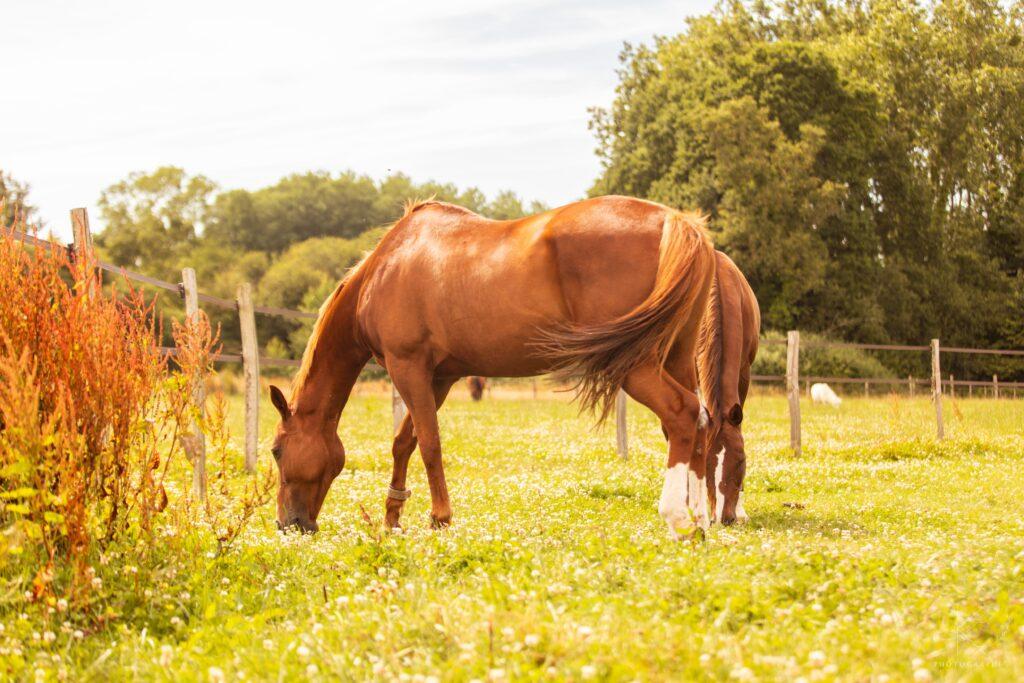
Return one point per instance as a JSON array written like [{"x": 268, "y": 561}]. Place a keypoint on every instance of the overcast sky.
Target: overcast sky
[{"x": 492, "y": 94}]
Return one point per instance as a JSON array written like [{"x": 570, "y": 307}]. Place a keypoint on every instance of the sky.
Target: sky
[{"x": 491, "y": 94}]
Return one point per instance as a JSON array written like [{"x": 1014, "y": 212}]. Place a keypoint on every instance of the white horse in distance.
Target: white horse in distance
[{"x": 822, "y": 393}]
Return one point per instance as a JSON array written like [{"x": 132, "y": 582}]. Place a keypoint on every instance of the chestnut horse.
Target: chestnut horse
[
  {"x": 726, "y": 349},
  {"x": 609, "y": 291}
]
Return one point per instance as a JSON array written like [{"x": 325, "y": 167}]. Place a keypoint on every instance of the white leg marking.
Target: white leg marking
[
  {"x": 719, "y": 496},
  {"x": 697, "y": 499},
  {"x": 741, "y": 514},
  {"x": 672, "y": 506}
]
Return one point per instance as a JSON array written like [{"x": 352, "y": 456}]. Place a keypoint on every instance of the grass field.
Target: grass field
[{"x": 880, "y": 553}]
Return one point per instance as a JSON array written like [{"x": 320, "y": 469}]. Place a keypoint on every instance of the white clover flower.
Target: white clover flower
[
  {"x": 922, "y": 675},
  {"x": 49, "y": 636},
  {"x": 302, "y": 651},
  {"x": 741, "y": 673},
  {"x": 216, "y": 674},
  {"x": 588, "y": 671},
  {"x": 166, "y": 653},
  {"x": 816, "y": 659},
  {"x": 531, "y": 640},
  {"x": 312, "y": 670}
]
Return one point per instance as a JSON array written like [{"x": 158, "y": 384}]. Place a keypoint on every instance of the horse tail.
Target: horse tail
[
  {"x": 598, "y": 357},
  {"x": 710, "y": 352}
]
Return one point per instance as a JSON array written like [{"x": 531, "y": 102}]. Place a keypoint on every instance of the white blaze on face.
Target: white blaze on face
[
  {"x": 684, "y": 501},
  {"x": 719, "y": 496}
]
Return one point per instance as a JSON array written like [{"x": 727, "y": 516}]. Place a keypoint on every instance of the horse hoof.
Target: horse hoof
[{"x": 440, "y": 522}]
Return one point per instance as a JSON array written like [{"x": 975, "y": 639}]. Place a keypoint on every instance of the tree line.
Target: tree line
[{"x": 292, "y": 240}]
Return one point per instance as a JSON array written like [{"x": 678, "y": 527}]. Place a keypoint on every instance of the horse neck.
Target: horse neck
[{"x": 334, "y": 363}]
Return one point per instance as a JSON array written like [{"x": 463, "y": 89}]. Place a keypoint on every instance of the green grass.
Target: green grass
[{"x": 879, "y": 552}]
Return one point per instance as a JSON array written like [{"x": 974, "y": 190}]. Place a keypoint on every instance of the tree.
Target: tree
[
  {"x": 14, "y": 198},
  {"x": 152, "y": 220},
  {"x": 900, "y": 123},
  {"x": 298, "y": 207}
]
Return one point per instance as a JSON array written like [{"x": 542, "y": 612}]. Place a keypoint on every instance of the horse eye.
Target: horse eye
[{"x": 276, "y": 452}]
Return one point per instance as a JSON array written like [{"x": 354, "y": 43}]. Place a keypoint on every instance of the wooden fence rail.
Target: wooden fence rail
[{"x": 252, "y": 362}]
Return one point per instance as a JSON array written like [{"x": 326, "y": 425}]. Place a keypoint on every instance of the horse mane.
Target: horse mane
[
  {"x": 710, "y": 351},
  {"x": 411, "y": 206},
  {"x": 314, "y": 337}
]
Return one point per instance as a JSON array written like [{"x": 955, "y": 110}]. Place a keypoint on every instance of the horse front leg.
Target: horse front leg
[
  {"x": 401, "y": 449},
  {"x": 414, "y": 381}
]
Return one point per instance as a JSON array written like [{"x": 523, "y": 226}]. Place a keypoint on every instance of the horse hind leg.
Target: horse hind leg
[{"x": 684, "y": 502}]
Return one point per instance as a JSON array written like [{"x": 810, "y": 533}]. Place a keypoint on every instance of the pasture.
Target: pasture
[{"x": 879, "y": 553}]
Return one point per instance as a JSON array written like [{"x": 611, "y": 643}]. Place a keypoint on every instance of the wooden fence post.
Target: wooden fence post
[
  {"x": 952, "y": 386},
  {"x": 793, "y": 388},
  {"x": 910, "y": 385},
  {"x": 251, "y": 373},
  {"x": 397, "y": 408},
  {"x": 84, "y": 253},
  {"x": 867, "y": 391},
  {"x": 196, "y": 442},
  {"x": 995, "y": 386},
  {"x": 621, "y": 434},
  {"x": 937, "y": 389}
]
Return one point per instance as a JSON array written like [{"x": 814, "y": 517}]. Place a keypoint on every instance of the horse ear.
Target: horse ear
[
  {"x": 280, "y": 402},
  {"x": 735, "y": 415}
]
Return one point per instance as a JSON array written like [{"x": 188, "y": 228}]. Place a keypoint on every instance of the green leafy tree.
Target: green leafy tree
[
  {"x": 152, "y": 220},
  {"x": 876, "y": 145},
  {"x": 14, "y": 200},
  {"x": 296, "y": 208}
]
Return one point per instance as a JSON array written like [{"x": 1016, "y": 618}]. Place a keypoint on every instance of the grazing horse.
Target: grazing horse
[
  {"x": 609, "y": 291},
  {"x": 822, "y": 393},
  {"x": 726, "y": 349}
]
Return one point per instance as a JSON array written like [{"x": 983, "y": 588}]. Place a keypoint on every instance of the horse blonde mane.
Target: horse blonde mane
[{"x": 314, "y": 337}]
